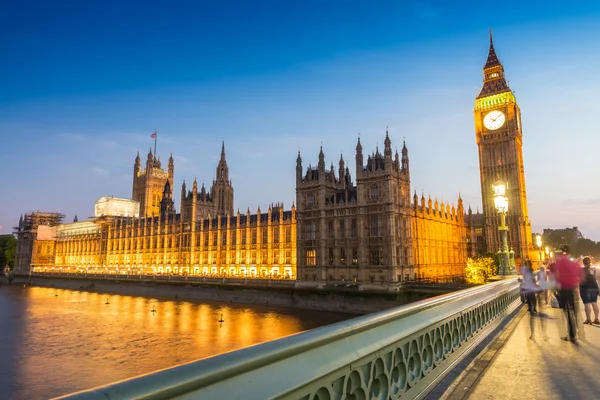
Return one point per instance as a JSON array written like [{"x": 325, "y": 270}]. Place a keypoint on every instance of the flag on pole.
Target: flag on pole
[{"x": 153, "y": 136}]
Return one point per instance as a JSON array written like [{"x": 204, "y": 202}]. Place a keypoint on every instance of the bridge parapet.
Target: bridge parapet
[{"x": 400, "y": 353}]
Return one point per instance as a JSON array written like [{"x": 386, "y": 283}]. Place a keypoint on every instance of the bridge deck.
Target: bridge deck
[{"x": 544, "y": 367}]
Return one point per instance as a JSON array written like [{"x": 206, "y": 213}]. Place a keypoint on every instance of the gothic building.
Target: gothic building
[
  {"x": 218, "y": 201},
  {"x": 149, "y": 184},
  {"x": 499, "y": 137},
  {"x": 371, "y": 231},
  {"x": 253, "y": 246},
  {"x": 205, "y": 239}
]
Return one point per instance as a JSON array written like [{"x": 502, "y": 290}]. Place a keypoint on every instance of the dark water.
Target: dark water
[{"x": 55, "y": 342}]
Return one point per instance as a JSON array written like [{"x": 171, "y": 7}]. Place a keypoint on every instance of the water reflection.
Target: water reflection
[{"x": 61, "y": 341}]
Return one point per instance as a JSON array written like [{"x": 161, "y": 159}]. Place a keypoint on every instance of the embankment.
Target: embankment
[{"x": 326, "y": 299}]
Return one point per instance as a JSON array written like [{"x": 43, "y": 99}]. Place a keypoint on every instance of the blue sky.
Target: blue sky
[{"x": 84, "y": 84}]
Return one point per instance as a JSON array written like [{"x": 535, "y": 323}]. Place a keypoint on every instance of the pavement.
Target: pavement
[{"x": 532, "y": 362}]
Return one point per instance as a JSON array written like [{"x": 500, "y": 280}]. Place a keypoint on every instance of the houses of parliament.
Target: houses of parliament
[{"x": 370, "y": 230}]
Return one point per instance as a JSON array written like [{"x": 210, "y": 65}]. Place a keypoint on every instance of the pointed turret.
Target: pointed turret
[
  {"x": 298, "y": 168},
  {"x": 492, "y": 59},
  {"x": 387, "y": 152},
  {"x": 136, "y": 166},
  {"x": 342, "y": 170},
  {"x": 321, "y": 165},
  {"x": 359, "y": 158},
  {"x": 171, "y": 168},
  {"x": 149, "y": 159},
  {"x": 493, "y": 74},
  {"x": 166, "y": 204},
  {"x": 405, "y": 157},
  {"x": 222, "y": 191}
]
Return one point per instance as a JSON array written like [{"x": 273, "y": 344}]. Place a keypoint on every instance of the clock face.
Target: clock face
[{"x": 494, "y": 120}]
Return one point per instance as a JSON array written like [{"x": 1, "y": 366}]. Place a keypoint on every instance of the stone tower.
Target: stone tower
[
  {"x": 499, "y": 138},
  {"x": 148, "y": 184},
  {"x": 167, "y": 206},
  {"x": 202, "y": 203},
  {"x": 222, "y": 190}
]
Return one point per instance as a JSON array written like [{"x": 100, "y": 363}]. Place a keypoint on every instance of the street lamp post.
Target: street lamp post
[
  {"x": 501, "y": 204},
  {"x": 538, "y": 243}
]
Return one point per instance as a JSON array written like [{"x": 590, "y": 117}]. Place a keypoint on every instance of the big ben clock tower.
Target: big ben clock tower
[{"x": 499, "y": 139}]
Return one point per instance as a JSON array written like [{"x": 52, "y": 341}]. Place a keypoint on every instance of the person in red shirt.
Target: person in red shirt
[{"x": 568, "y": 276}]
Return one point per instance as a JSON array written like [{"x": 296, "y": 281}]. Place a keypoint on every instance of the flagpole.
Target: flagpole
[{"x": 155, "y": 135}]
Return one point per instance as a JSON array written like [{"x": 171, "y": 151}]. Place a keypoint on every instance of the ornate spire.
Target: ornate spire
[
  {"x": 321, "y": 164},
  {"x": 492, "y": 59},
  {"x": 223, "y": 151},
  {"x": 493, "y": 75},
  {"x": 387, "y": 143},
  {"x": 358, "y": 146}
]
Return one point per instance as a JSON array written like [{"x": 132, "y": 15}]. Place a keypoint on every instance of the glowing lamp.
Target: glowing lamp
[
  {"x": 538, "y": 240},
  {"x": 499, "y": 188},
  {"x": 501, "y": 203}
]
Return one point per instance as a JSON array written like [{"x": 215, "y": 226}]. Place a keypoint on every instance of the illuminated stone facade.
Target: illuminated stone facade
[
  {"x": 115, "y": 207},
  {"x": 35, "y": 240},
  {"x": 500, "y": 141},
  {"x": 148, "y": 184},
  {"x": 242, "y": 245},
  {"x": 206, "y": 238},
  {"x": 371, "y": 232}
]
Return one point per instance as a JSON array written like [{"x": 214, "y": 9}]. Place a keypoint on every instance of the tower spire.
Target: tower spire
[
  {"x": 492, "y": 59},
  {"x": 494, "y": 81}
]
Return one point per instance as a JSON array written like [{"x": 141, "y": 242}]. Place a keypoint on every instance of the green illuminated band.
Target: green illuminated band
[{"x": 495, "y": 100}]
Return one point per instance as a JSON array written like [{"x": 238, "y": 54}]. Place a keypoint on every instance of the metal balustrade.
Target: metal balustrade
[
  {"x": 399, "y": 353},
  {"x": 189, "y": 279}
]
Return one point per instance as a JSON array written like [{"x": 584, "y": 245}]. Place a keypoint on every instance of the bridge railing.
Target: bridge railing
[{"x": 399, "y": 353}]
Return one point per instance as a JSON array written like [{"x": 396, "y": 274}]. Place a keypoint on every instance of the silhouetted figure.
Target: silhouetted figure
[
  {"x": 568, "y": 274},
  {"x": 588, "y": 290}
]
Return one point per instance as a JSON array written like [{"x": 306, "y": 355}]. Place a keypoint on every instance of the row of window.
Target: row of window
[{"x": 276, "y": 235}]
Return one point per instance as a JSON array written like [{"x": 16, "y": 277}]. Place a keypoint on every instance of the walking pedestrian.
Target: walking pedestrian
[
  {"x": 529, "y": 286},
  {"x": 568, "y": 275},
  {"x": 542, "y": 282},
  {"x": 588, "y": 290}
]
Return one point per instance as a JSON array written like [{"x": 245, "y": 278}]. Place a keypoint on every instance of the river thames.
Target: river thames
[{"x": 55, "y": 341}]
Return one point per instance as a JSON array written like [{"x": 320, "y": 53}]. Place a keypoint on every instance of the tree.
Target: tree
[
  {"x": 586, "y": 247},
  {"x": 480, "y": 269},
  {"x": 8, "y": 248}
]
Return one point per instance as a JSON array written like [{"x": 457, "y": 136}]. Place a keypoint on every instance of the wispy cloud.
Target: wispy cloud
[
  {"x": 100, "y": 172},
  {"x": 78, "y": 137},
  {"x": 580, "y": 202},
  {"x": 109, "y": 144}
]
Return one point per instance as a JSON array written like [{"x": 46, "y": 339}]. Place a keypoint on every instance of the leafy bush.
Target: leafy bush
[{"x": 480, "y": 269}]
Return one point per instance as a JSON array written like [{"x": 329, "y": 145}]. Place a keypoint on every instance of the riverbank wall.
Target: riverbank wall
[{"x": 289, "y": 295}]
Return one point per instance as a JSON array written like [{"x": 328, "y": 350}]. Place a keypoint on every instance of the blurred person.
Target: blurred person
[
  {"x": 588, "y": 290},
  {"x": 542, "y": 282},
  {"x": 568, "y": 275},
  {"x": 529, "y": 286},
  {"x": 552, "y": 284}
]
